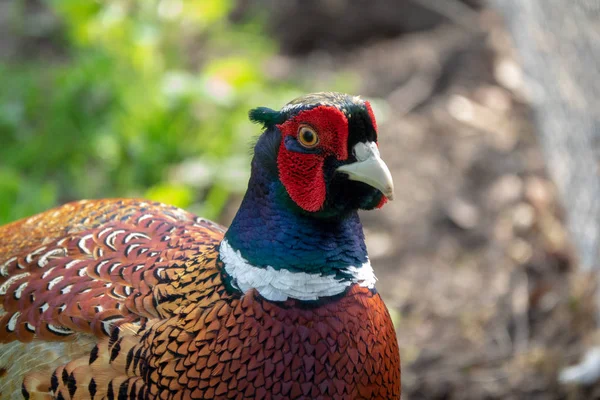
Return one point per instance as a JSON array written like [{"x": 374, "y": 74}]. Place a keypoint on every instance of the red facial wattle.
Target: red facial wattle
[
  {"x": 371, "y": 115},
  {"x": 302, "y": 173},
  {"x": 381, "y": 202}
]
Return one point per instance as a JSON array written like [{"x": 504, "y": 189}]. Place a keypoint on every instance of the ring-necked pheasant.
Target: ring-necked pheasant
[{"x": 131, "y": 299}]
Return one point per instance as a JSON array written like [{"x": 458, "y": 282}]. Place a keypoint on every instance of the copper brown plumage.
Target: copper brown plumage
[{"x": 133, "y": 300}]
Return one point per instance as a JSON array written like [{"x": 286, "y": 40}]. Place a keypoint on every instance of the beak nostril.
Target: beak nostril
[{"x": 362, "y": 151}]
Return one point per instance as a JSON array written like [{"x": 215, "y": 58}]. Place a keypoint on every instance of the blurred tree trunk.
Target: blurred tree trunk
[{"x": 559, "y": 47}]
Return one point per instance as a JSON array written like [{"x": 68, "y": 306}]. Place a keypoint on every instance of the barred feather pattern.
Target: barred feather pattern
[{"x": 143, "y": 282}]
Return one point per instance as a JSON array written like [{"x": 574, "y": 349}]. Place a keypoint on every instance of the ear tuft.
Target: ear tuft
[{"x": 265, "y": 116}]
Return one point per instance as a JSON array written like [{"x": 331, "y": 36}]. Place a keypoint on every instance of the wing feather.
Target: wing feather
[{"x": 87, "y": 266}]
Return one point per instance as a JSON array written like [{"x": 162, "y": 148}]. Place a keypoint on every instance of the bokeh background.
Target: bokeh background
[{"x": 149, "y": 98}]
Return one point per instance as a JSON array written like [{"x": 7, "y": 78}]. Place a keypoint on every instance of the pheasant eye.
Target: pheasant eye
[{"x": 307, "y": 136}]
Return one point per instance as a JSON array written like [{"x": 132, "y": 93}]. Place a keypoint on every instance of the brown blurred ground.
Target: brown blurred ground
[{"x": 473, "y": 258}]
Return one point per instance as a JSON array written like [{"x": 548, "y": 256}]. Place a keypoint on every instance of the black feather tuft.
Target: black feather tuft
[
  {"x": 266, "y": 116},
  {"x": 24, "y": 391}
]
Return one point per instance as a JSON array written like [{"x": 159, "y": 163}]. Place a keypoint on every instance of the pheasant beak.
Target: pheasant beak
[{"x": 370, "y": 169}]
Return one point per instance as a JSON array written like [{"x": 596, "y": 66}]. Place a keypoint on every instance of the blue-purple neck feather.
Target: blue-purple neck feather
[{"x": 270, "y": 230}]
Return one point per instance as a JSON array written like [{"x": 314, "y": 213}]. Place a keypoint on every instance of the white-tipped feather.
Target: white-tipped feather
[{"x": 279, "y": 285}]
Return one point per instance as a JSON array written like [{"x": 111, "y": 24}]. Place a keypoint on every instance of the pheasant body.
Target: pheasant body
[{"x": 134, "y": 299}]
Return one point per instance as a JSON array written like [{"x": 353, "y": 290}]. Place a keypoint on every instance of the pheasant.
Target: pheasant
[{"x": 132, "y": 299}]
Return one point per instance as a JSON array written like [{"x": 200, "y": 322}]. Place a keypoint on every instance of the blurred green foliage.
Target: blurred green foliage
[{"x": 150, "y": 99}]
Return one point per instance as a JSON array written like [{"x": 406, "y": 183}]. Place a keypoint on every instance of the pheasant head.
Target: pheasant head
[{"x": 324, "y": 147}]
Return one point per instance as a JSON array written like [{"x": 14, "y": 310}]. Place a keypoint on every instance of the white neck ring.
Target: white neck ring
[{"x": 280, "y": 285}]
